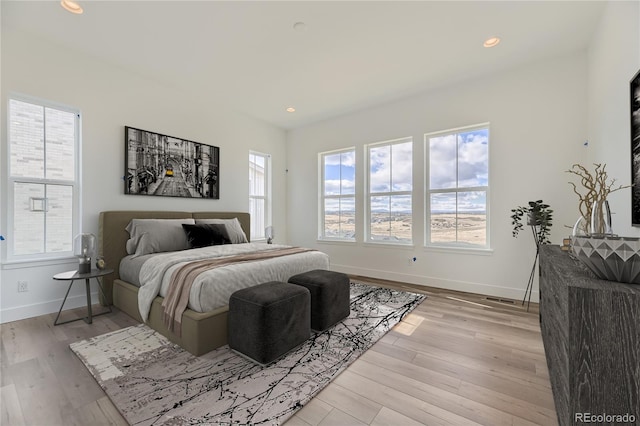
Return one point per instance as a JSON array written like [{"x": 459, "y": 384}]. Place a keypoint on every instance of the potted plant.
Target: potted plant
[
  {"x": 539, "y": 217},
  {"x": 538, "y": 214}
]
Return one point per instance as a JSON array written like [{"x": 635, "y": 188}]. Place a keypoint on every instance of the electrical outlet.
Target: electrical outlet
[{"x": 23, "y": 286}]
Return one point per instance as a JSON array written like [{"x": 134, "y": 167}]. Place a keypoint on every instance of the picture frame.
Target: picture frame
[
  {"x": 167, "y": 166},
  {"x": 635, "y": 147}
]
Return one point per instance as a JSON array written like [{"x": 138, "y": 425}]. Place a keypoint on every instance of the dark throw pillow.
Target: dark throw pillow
[{"x": 204, "y": 235}]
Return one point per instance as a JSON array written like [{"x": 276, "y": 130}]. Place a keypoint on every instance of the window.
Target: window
[
  {"x": 259, "y": 194},
  {"x": 338, "y": 199},
  {"x": 390, "y": 191},
  {"x": 457, "y": 188},
  {"x": 43, "y": 179}
]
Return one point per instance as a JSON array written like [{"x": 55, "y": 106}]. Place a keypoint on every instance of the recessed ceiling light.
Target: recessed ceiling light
[
  {"x": 71, "y": 6},
  {"x": 291, "y": 109},
  {"x": 492, "y": 41},
  {"x": 300, "y": 26}
]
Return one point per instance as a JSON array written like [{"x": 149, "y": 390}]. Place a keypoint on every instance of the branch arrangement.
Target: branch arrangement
[{"x": 597, "y": 186}]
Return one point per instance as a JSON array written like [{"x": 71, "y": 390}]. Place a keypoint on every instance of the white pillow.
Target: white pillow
[
  {"x": 234, "y": 229},
  {"x": 156, "y": 235}
]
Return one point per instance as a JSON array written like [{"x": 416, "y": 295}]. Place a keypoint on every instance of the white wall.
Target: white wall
[
  {"x": 538, "y": 118},
  {"x": 110, "y": 98},
  {"x": 614, "y": 58}
]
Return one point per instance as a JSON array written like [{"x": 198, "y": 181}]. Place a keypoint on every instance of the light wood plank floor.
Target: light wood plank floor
[{"x": 457, "y": 359}]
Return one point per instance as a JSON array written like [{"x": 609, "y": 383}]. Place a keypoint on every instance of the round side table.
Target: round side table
[{"x": 75, "y": 275}]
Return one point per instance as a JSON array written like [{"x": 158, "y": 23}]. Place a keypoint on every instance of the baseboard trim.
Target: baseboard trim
[
  {"x": 36, "y": 309},
  {"x": 465, "y": 286}
]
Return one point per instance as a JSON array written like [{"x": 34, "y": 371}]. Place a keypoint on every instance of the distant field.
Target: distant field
[{"x": 471, "y": 227}]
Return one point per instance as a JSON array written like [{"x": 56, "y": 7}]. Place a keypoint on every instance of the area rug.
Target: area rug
[{"x": 155, "y": 382}]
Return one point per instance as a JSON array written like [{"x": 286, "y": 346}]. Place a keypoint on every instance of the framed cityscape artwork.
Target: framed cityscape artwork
[
  {"x": 167, "y": 166},
  {"x": 635, "y": 149}
]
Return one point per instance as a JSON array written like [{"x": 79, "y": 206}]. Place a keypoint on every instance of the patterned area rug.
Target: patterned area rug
[{"x": 153, "y": 381}]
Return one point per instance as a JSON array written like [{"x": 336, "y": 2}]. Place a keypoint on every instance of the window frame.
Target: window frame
[
  {"x": 260, "y": 235},
  {"x": 322, "y": 196},
  {"x": 368, "y": 194},
  {"x": 456, "y": 245},
  {"x": 75, "y": 184}
]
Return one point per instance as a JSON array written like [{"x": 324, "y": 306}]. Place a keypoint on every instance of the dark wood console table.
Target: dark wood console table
[{"x": 591, "y": 333}]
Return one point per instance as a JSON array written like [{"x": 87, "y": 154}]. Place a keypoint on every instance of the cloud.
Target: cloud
[
  {"x": 339, "y": 187},
  {"x": 469, "y": 150},
  {"x": 391, "y": 167},
  {"x": 391, "y": 204},
  {"x": 347, "y": 158},
  {"x": 472, "y": 202},
  {"x": 473, "y": 159},
  {"x": 465, "y": 202},
  {"x": 339, "y": 173},
  {"x": 337, "y": 205},
  {"x": 442, "y": 162},
  {"x": 443, "y": 203}
]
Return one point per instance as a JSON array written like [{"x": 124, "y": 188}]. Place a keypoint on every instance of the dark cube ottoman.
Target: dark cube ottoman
[
  {"x": 329, "y": 296},
  {"x": 268, "y": 320}
]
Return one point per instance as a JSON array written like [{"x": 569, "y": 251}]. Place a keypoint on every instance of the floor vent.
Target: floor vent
[{"x": 496, "y": 299}]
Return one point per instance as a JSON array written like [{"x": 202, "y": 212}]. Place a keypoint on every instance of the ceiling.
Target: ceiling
[{"x": 351, "y": 56}]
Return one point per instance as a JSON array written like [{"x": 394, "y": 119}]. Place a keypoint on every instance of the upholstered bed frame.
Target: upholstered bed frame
[{"x": 201, "y": 332}]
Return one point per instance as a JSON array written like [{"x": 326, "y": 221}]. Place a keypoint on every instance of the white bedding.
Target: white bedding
[{"x": 212, "y": 289}]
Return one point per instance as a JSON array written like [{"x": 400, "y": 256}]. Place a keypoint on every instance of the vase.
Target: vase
[
  {"x": 532, "y": 219},
  {"x": 581, "y": 227},
  {"x": 601, "y": 218}
]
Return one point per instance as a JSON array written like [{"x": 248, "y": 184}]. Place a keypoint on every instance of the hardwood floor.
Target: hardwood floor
[{"x": 457, "y": 359}]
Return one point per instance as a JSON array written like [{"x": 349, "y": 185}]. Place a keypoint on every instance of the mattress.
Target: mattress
[{"x": 212, "y": 289}]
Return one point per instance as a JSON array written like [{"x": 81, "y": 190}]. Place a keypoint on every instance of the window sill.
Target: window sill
[
  {"x": 386, "y": 244},
  {"x": 460, "y": 250},
  {"x": 35, "y": 263},
  {"x": 336, "y": 241}
]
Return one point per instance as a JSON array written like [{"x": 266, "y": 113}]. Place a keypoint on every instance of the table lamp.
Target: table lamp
[
  {"x": 269, "y": 234},
  {"x": 84, "y": 247}
]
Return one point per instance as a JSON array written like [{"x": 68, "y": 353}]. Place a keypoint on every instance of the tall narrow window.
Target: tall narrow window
[
  {"x": 338, "y": 199},
  {"x": 390, "y": 191},
  {"x": 259, "y": 194},
  {"x": 43, "y": 179},
  {"x": 458, "y": 187}
]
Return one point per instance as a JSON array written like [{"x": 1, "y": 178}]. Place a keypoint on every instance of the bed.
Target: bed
[{"x": 199, "y": 332}]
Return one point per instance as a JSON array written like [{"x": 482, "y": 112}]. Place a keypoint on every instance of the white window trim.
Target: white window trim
[
  {"x": 321, "y": 197},
  {"x": 9, "y": 256},
  {"x": 368, "y": 194},
  {"x": 267, "y": 193},
  {"x": 455, "y": 246}
]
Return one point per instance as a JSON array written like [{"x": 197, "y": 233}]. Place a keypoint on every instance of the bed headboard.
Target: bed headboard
[{"x": 112, "y": 235}]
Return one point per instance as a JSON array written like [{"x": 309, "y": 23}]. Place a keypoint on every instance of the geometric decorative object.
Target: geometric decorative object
[{"x": 609, "y": 257}]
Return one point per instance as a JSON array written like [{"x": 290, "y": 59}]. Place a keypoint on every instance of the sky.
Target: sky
[
  {"x": 471, "y": 150},
  {"x": 340, "y": 177},
  {"x": 340, "y": 173},
  {"x": 391, "y": 171}
]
